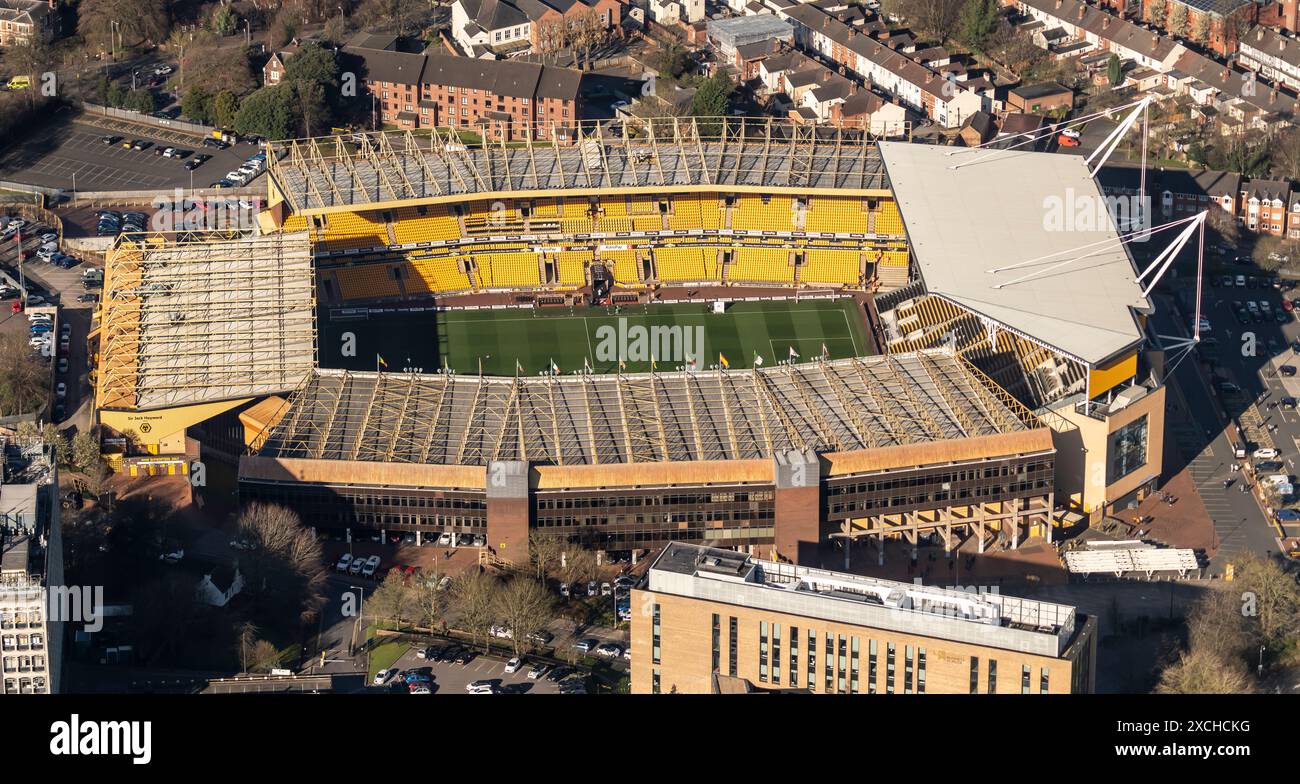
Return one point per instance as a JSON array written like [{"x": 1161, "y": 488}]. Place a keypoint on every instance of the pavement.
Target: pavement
[{"x": 67, "y": 152}]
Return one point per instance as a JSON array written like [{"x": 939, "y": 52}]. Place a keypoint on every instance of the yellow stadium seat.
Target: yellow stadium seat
[{"x": 346, "y": 230}]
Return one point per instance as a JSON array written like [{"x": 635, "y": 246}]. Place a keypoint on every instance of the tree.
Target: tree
[
  {"x": 712, "y": 96},
  {"x": 1157, "y": 12},
  {"x": 85, "y": 450},
  {"x": 284, "y": 573},
  {"x": 671, "y": 61},
  {"x": 264, "y": 657},
  {"x": 936, "y": 18},
  {"x": 214, "y": 67},
  {"x": 1275, "y": 597},
  {"x": 1203, "y": 672},
  {"x": 579, "y": 567},
  {"x": 197, "y": 105},
  {"x": 23, "y": 376},
  {"x": 1178, "y": 21},
  {"x": 225, "y": 107},
  {"x": 57, "y": 442},
  {"x": 525, "y": 607},
  {"x": 1201, "y": 28},
  {"x": 141, "y": 100},
  {"x": 431, "y": 601},
  {"x": 225, "y": 20},
  {"x": 116, "y": 95},
  {"x": 1114, "y": 69},
  {"x": 246, "y": 638},
  {"x": 395, "y": 600},
  {"x": 544, "y": 551},
  {"x": 131, "y": 22},
  {"x": 979, "y": 18},
  {"x": 474, "y": 594},
  {"x": 267, "y": 112}
]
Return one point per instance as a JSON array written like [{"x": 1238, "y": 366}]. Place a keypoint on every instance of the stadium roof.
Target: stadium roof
[
  {"x": 671, "y": 153},
  {"x": 585, "y": 419},
  {"x": 199, "y": 320},
  {"x": 968, "y": 212}
]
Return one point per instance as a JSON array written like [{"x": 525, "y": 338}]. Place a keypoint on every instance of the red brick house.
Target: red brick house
[{"x": 499, "y": 98}]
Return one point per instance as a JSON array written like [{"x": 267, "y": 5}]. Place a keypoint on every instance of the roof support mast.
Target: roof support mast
[{"x": 1116, "y": 136}]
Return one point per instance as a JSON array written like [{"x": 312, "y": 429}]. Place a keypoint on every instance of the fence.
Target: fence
[{"x": 136, "y": 117}]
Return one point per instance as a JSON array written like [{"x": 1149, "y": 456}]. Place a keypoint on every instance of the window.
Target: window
[
  {"x": 794, "y": 655},
  {"x": 717, "y": 642},
  {"x": 829, "y": 668},
  {"x": 974, "y": 675},
  {"x": 843, "y": 664},
  {"x": 731, "y": 649},
  {"x": 654, "y": 682},
  {"x": 853, "y": 665},
  {"x": 920, "y": 671},
  {"x": 1043, "y": 681},
  {"x": 907, "y": 669},
  {"x": 812, "y": 660},
  {"x": 993, "y": 676},
  {"x": 871, "y": 667},
  {"x": 776, "y": 653},
  {"x": 889, "y": 669},
  {"x": 762, "y": 651},
  {"x": 654, "y": 630},
  {"x": 1128, "y": 450},
  {"x": 1024, "y": 679}
]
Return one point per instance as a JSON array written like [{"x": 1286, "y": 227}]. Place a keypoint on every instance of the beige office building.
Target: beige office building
[{"x": 707, "y": 620}]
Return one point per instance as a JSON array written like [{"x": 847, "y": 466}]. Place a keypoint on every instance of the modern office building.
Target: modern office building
[{"x": 714, "y": 618}]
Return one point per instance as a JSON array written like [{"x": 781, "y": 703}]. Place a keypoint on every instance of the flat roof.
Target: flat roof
[
  {"x": 970, "y": 211},
  {"x": 982, "y": 618}
]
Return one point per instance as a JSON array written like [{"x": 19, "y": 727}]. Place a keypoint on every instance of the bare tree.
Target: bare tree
[
  {"x": 1203, "y": 672},
  {"x": 285, "y": 570},
  {"x": 545, "y": 553},
  {"x": 525, "y": 607},
  {"x": 579, "y": 566},
  {"x": 1273, "y": 599},
  {"x": 23, "y": 376},
  {"x": 264, "y": 657},
  {"x": 474, "y": 593},
  {"x": 395, "y": 600}
]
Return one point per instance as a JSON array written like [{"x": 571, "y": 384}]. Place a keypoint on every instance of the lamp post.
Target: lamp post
[{"x": 361, "y": 614}]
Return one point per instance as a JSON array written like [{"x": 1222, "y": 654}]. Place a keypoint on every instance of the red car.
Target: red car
[{"x": 1067, "y": 141}]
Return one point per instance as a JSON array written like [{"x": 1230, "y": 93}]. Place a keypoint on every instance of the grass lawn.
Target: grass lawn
[
  {"x": 421, "y": 341},
  {"x": 384, "y": 654}
]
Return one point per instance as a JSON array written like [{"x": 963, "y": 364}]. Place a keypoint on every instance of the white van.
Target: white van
[{"x": 1276, "y": 479}]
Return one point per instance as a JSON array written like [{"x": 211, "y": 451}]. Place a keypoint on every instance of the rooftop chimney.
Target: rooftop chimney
[
  {"x": 826, "y": 22},
  {"x": 1105, "y": 22},
  {"x": 1083, "y": 9},
  {"x": 826, "y": 74},
  {"x": 776, "y": 44},
  {"x": 853, "y": 88}
]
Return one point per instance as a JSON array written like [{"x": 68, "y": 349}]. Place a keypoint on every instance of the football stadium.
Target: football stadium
[{"x": 733, "y": 332}]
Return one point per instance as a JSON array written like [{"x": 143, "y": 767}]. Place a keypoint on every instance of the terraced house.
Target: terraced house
[
  {"x": 1273, "y": 55},
  {"x": 486, "y": 28}
]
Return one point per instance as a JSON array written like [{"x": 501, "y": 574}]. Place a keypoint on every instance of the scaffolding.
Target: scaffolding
[
  {"x": 583, "y": 419},
  {"x": 384, "y": 169},
  {"x": 194, "y": 318}
]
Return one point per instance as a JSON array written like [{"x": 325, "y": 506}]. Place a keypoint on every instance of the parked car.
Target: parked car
[
  {"x": 606, "y": 589},
  {"x": 564, "y": 590},
  {"x": 444, "y": 540},
  {"x": 480, "y": 687},
  {"x": 382, "y": 676},
  {"x": 586, "y": 645},
  {"x": 592, "y": 589},
  {"x": 370, "y": 566},
  {"x": 541, "y": 637},
  {"x": 537, "y": 672},
  {"x": 1266, "y": 453},
  {"x": 1287, "y": 370},
  {"x": 609, "y": 650},
  {"x": 344, "y": 562},
  {"x": 357, "y": 565},
  {"x": 513, "y": 665}
]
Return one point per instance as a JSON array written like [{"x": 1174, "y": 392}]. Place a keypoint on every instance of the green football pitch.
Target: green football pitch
[{"x": 670, "y": 335}]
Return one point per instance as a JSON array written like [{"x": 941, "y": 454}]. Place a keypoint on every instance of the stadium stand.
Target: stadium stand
[
  {"x": 425, "y": 224},
  {"x": 435, "y": 275},
  {"x": 345, "y": 230},
  {"x": 835, "y": 215},
  {"x": 832, "y": 266},
  {"x": 374, "y": 280},
  {"x": 763, "y": 213},
  {"x": 760, "y": 265}
]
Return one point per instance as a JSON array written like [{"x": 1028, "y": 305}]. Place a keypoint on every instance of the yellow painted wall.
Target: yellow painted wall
[
  {"x": 1110, "y": 376},
  {"x": 163, "y": 431}
]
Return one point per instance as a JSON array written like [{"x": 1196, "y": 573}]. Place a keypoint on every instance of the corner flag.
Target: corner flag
[{"x": 722, "y": 360}]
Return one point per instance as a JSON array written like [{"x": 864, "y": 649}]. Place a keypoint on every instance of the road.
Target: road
[{"x": 1239, "y": 522}]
